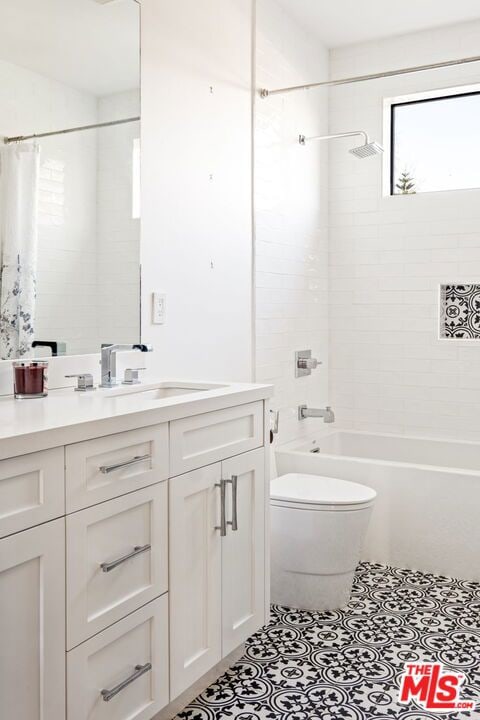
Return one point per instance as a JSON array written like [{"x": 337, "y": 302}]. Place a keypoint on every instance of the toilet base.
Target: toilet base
[{"x": 305, "y": 591}]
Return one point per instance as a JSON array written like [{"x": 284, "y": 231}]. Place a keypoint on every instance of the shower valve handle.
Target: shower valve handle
[{"x": 308, "y": 363}]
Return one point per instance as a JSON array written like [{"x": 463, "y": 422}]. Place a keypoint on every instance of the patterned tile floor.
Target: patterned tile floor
[{"x": 345, "y": 665}]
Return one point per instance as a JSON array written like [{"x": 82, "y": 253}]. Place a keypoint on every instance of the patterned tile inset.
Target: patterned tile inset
[
  {"x": 460, "y": 311},
  {"x": 346, "y": 664}
]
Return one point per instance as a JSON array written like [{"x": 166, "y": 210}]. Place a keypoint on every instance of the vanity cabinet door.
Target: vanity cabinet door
[
  {"x": 117, "y": 560},
  {"x": 32, "y": 624},
  {"x": 195, "y": 577},
  {"x": 243, "y": 550}
]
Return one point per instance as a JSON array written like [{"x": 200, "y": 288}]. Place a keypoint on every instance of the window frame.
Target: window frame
[
  {"x": 389, "y": 105},
  {"x": 136, "y": 179}
]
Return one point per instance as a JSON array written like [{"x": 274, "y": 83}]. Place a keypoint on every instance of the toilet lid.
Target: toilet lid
[{"x": 319, "y": 490}]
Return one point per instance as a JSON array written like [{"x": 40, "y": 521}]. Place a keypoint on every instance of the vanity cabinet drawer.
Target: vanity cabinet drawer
[
  {"x": 32, "y": 490},
  {"x": 205, "y": 439},
  {"x": 117, "y": 560},
  {"x": 107, "y": 467},
  {"x": 122, "y": 673}
]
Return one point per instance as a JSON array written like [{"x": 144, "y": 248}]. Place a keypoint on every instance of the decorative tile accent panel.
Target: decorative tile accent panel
[{"x": 460, "y": 312}]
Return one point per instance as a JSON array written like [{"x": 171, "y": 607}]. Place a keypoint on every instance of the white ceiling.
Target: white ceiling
[
  {"x": 81, "y": 43},
  {"x": 344, "y": 22}
]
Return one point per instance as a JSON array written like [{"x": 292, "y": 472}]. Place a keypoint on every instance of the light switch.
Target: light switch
[{"x": 159, "y": 308}]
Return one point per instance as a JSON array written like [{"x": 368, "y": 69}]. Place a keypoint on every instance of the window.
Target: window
[
  {"x": 435, "y": 143},
  {"x": 136, "y": 179}
]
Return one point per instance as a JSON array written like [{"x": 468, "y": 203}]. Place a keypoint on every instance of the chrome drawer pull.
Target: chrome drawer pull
[
  {"x": 137, "y": 550},
  {"x": 105, "y": 469},
  {"x": 223, "y": 521},
  {"x": 140, "y": 670},
  {"x": 234, "y": 521}
]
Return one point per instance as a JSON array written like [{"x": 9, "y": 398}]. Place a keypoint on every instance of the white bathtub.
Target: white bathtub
[{"x": 427, "y": 513}]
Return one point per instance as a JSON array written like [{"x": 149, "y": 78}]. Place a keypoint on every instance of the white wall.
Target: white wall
[
  {"x": 196, "y": 185},
  {"x": 291, "y": 203},
  {"x": 389, "y": 372}
]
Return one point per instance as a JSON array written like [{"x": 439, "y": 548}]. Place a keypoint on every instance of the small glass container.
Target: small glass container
[{"x": 30, "y": 379}]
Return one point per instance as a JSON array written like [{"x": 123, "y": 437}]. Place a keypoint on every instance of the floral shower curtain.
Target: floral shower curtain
[{"x": 19, "y": 173}]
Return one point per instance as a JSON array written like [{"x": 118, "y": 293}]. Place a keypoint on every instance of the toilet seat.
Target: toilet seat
[{"x": 318, "y": 492}]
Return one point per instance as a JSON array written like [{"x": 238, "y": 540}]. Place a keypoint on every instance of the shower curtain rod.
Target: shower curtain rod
[
  {"x": 264, "y": 93},
  {"x": 21, "y": 138}
]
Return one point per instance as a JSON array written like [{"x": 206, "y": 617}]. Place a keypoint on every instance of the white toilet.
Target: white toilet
[{"x": 318, "y": 525}]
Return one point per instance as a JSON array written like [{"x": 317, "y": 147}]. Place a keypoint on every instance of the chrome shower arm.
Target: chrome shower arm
[{"x": 302, "y": 139}]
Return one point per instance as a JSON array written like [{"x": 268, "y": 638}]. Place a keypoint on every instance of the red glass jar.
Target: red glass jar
[{"x": 30, "y": 379}]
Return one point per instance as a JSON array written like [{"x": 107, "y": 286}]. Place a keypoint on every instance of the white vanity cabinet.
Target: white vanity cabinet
[
  {"x": 119, "y": 589},
  {"x": 110, "y": 466},
  {"x": 32, "y": 490},
  {"x": 32, "y": 624},
  {"x": 204, "y": 439},
  {"x": 243, "y": 551},
  {"x": 217, "y": 580},
  {"x": 195, "y": 576},
  {"x": 117, "y": 560},
  {"x": 122, "y": 673}
]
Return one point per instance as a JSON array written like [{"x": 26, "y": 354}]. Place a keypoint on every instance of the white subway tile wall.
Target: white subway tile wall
[
  {"x": 389, "y": 369},
  {"x": 291, "y": 213}
]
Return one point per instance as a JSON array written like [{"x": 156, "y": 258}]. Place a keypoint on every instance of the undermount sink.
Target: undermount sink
[{"x": 162, "y": 391}]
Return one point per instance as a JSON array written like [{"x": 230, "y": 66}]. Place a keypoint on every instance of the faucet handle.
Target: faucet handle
[
  {"x": 131, "y": 376},
  {"x": 85, "y": 382}
]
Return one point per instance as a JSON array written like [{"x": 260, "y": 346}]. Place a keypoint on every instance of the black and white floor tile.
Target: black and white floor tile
[{"x": 345, "y": 665}]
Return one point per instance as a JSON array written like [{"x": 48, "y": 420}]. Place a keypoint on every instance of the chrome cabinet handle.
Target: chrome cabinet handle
[
  {"x": 140, "y": 670},
  {"x": 223, "y": 521},
  {"x": 234, "y": 521},
  {"x": 137, "y": 550},
  {"x": 105, "y": 469}
]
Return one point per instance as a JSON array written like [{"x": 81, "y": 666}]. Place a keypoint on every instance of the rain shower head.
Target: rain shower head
[{"x": 368, "y": 149}]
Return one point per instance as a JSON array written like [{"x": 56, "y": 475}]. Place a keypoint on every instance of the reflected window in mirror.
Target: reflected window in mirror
[{"x": 136, "y": 180}]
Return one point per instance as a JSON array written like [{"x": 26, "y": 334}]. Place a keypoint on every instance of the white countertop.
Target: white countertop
[{"x": 66, "y": 416}]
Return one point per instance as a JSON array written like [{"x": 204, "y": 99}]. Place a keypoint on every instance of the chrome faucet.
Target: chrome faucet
[
  {"x": 327, "y": 413},
  {"x": 109, "y": 361}
]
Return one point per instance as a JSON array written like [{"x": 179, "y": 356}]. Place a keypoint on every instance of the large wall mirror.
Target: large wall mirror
[{"x": 69, "y": 197}]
